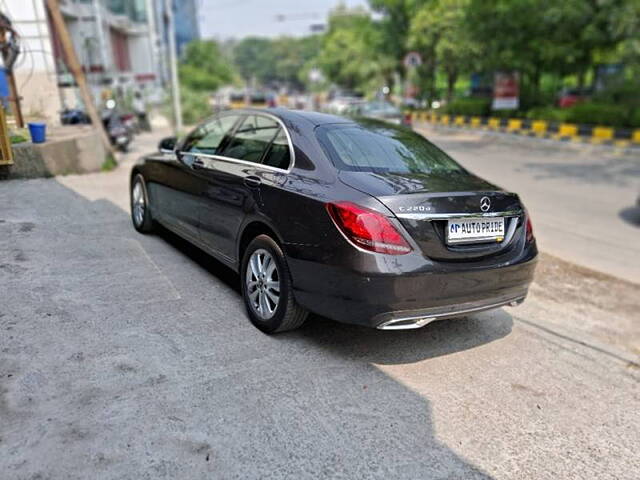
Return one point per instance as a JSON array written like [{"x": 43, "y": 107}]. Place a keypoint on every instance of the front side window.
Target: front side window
[
  {"x": 207, "y": 138},
  {"x": 381, "y": 149},
  {"x": 252, "y": 138}
]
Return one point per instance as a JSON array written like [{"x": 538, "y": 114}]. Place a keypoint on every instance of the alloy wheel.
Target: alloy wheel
[
  {"x": 139, "y": 203},
  {"x": 263, "y": 284}
]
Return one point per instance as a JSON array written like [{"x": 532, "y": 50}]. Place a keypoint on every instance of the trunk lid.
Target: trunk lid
[{"x": 423, "y": 203}]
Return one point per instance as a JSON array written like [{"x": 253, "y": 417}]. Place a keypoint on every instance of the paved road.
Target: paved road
[
  {"x": 125, "y": 356},
  {"x": 581, "y": 197}
]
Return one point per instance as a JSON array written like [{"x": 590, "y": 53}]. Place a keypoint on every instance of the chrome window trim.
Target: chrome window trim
[
  {"x": 242, "y": 162},
  {"x": 245, "y": 113},
  {"x": 447, "y": 216}
]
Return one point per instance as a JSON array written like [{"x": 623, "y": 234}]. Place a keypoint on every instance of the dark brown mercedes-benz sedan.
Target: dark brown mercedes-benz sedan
[{"x": 360, "y": 221}]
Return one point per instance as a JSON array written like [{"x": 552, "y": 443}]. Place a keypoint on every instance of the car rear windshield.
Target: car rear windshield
[{"x": 383, "y": 149}]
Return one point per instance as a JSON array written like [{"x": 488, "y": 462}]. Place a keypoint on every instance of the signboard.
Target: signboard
[
  {"x": 506, "y": 91},
  {"x": 412, "y": 59}
]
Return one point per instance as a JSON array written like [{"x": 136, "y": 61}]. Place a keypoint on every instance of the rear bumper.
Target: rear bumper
[{"x": 376, "y": 300}]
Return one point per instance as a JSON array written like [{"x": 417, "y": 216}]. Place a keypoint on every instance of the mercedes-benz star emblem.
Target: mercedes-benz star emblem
[{"x": 485, "y": 204}]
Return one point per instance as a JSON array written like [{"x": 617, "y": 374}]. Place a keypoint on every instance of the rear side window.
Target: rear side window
[
  {"x": 252, "y": 138},
  {"x": 278, "y": 154},
  {"x": 381, "y": 148},
  {"x": 208, "y": 137}
]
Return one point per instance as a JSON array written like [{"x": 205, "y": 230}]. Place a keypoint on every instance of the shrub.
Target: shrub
[
  {"x": 598, "y": 114},
  {"x": 550, "y": 114},
  {"x": 17, "y": 139},
  {"x": 634, "y": 118},
  {"x": 469, "y": 106},
  {"x": 507, "y": 114},
  {"x": 195, "y": 106}
]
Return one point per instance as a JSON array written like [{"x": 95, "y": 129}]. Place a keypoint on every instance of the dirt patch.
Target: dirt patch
[
  {"x": 566, "y": 282},
  {"x": 578, "y": 298}
]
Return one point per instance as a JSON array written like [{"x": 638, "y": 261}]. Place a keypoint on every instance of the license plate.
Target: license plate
[{"x": 470, "y": 230}]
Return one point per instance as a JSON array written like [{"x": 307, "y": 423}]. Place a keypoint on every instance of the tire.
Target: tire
[
  {"x": 286, "y": 314},
  {"x": 142, "y": 222}
]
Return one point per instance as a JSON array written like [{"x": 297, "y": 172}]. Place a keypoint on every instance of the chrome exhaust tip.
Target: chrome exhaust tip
[{"x": 406, "y": 323}]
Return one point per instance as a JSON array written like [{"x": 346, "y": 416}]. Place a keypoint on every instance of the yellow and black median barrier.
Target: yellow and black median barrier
[{"x": 594, "y": 134}]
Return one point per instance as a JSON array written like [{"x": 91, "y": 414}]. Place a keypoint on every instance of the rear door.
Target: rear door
[{"x": 234, "y": 175}]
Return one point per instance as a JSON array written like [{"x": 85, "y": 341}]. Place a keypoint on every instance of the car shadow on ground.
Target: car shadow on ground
[
  {"x": 366, "y": 344},
  {"x": 436, "y": 339},
  {"x": 631, "y": 215}
]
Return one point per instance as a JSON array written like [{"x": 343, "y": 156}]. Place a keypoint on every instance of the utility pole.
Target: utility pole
[
  {"x": 71, "y": 59},
  {"x": 173, "y": 66}
]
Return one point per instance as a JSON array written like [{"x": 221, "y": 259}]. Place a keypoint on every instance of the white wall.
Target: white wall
[{"x": 35, "y": 69}]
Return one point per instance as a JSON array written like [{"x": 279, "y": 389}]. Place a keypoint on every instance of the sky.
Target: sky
[{"x": 224, "y": 19}]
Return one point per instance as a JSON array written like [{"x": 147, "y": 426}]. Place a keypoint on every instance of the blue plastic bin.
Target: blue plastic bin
[{"x": 38, "y": 132}]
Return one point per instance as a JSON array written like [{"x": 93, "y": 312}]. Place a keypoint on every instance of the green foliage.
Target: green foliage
[
  {"x": 17, "y": 139},
  {"x": 394, "y": 27},
  {"x": 634, "y": 118},
  {"x": 352, "y": 53},
  {"x": 589, "y": 113},
  {"x": 275, "y": 61},
  {"x": 195, "y": 106},
  {"x": 479, "y": 107},
  {"x": 203, "y": 67},
  {"x": 255, "y": 57},
  {"x": 109, "y": 163},
  {"x": 599, "y": 114},
  {"x": 550, "y": 114},
  {"x": 439, "y": 32}
]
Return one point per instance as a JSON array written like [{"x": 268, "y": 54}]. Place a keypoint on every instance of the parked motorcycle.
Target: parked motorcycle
[{"x": 120, "y": 135}]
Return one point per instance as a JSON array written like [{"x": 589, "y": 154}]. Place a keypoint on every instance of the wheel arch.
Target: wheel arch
[{"x": 250, "y": 231}]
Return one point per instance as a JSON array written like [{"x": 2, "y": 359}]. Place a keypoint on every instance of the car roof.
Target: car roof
[{"x": 314, "y": 118}]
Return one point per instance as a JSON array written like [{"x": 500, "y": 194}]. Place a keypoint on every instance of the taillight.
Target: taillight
[
  {"x": 529, "y": 228},
  {"x": 367, "y": 229}
]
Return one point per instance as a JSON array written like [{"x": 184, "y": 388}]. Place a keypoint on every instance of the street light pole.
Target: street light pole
[{"x": 173, "y": 66}]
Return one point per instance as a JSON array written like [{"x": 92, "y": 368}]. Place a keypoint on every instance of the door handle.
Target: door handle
[
  {"x": 198, "y": 164},
  {"x": 252, "y": 181}
]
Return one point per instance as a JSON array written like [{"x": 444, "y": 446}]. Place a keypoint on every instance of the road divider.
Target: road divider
[{"x": 594, "y": 134}]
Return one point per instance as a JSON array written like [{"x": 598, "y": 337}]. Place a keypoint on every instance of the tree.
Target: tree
[
  {"x": 547, "y": 36},
  {"x": 439, "y": 32},
  {"x": 352, "y": 54},
  {"x": 394, "y": 26},
  {"x": 203, "y": 67},
  {"x": 255, "y": 58},
  {"x": 275, "y": 61}
]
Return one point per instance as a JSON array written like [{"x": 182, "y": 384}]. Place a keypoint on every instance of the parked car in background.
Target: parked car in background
[
  {"x": 380, "y": 110},
  {"x": 568, "y": 97},
  {"x": 340, "y": 104},
  {"x": 360, "y": 221}
]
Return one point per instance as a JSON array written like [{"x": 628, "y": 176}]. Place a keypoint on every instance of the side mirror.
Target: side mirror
[{"x": 168, "y": 145}]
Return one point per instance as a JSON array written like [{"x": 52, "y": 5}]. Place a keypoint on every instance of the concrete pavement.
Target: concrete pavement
[{"x": 125, "y": 356}]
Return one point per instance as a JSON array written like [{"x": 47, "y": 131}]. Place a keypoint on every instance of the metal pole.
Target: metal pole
[{"x": 173, "y": 65}]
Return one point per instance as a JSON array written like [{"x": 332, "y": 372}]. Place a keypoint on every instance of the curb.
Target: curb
[{"x": 594, "y": 135}]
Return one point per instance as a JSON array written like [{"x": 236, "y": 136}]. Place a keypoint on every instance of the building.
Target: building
[
  {"x": 35, "y": 69},
  {"x": 115, "y": 41},
  {"x": 185, "y": 17}
]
